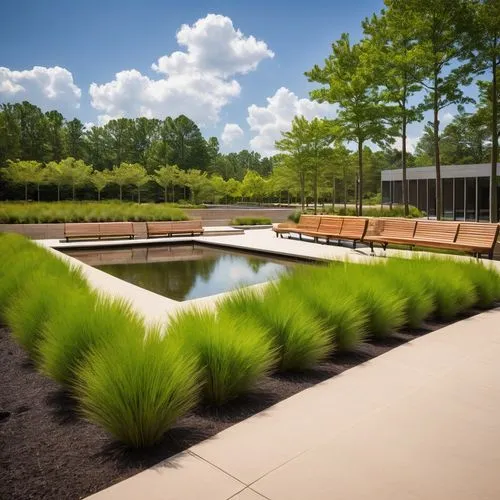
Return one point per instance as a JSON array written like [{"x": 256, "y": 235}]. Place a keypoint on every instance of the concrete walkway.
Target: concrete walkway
[{"x": 419, "y": 422}]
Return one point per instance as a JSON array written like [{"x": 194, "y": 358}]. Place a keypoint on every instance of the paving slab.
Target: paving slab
[{"x": 182, "y": 477}]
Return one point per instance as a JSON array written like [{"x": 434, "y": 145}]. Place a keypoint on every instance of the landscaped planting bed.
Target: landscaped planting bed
[
  {"x": 67, "y": 211},
  {"x": 147, "y": 394}
]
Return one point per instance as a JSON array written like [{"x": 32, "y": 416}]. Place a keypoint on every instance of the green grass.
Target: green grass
[
  {"x": 65, "y": 211},
  {"x": 486, "y": 281},
  {"x": 250, "y": 221},
  {"x": 299, "y": 338},
  {"x": 137, "y": 388},
  {"x": 234, "y": 353},
  {"x": 384, "y": 304},
  {"x": 86, "y": 322},
  {"x": 322, "y": 291}
]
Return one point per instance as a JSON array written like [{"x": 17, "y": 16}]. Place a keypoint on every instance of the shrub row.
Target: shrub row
[
  {"x": 35, "y": 213},
  {"x": 136, "y": 381},
  {"x": 250, "y": 221}
]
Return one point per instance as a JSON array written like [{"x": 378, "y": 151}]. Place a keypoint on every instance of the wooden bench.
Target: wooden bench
[
  {"x": 353, "y": 229},
  {"x": 392, "y": 229},
  {"x": 329, "y": 228},
  {"x": 477, "y": 238},
  {"x": 87, "y": 230},
  {"x": 158, "y": 229},
  {"x": 472, "y": 237},
  {"x": 306, "y": 224}
]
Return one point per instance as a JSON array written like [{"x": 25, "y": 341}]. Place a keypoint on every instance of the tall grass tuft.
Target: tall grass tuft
[
  {"x": 486, "y": 281},
  {"x": 38, "y": 298},
  {"x": 137, "y": 387},
  {"x": 453, "y": 292},
  {"x": 322, "y": 290},
  {"x": 234, "y": 353},
  {"x": 411, "y": 284},
  {"x": 300, "y": 339},
  {"x": 86, "y": 322}
]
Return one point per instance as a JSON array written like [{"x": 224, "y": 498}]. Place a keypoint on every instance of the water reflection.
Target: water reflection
[{"x": 183, "y": 272}]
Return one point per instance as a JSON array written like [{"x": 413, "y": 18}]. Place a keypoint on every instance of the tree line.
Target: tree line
[{"x": 415, "y": 56}]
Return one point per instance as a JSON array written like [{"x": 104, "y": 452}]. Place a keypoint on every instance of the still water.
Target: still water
[{"x": 184, "y": 272}]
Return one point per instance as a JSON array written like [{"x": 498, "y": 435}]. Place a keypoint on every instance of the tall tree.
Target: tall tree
[
  {"x": 74, "y": 138},
  {"x": 55, "y": 122},
  {"x": 187, "y": 146},
  {"x": 118, "y": 135},
  {"x": 25, "y": 173},
  {"x": 100, "y": 179},
  {"x": 392, "y": 53},
  {"x": 33, "y": 131},
  {"x": 10, "y": 134},
  {"x": 167, "y": 176},
  {"x": 97, "y": 150},
  {"x": 439, "y": 31},
  {"x": 486, "y": 59},
  {"x": 75, "y": 173},
  {"x": 350, "y": 84},
  {"x": 54, "y": 175}
]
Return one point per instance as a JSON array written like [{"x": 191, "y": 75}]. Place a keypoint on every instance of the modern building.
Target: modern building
[{"x": 465, "y": 190}]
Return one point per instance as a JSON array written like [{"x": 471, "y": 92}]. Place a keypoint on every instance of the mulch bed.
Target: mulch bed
[{"x": 48, "y": 452}]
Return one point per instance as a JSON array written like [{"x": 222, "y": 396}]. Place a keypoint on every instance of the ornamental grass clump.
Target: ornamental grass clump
[
  {"x": 411, "y": 284},
  {"x": 453, "y": 292},
  {"x": 136, "y": 388},
  {"x": 38, "y": 298},
  {"x": 486, "y": 281},
  {"x": 86, "y": 322},
  {"x": 324, "y": 293},
  {"x": 234, "y": 352},
  {"x": 299, "y": 338},
  {"x": 384, "y": 304}
]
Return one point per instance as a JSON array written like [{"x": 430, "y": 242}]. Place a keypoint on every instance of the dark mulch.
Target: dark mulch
[{"x": 47, "y": 451}]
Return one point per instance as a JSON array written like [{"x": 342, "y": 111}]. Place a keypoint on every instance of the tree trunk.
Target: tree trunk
[
  {"x": 138, "y": 195},
  {"x": 333, "y": 195},
  {"x": 25, "y": 191},
  {"x": 173, "y": 193},
  {"x": 98, "y": 195},
  {"x": 360, "y": 183},
  {"x": 403, "y": 164},
  {"x": 315, "y": 187},
  {"x": 302, "y": 191},
  {"x": 120, "y": 192},
  {"x": 494, "y": 143},
  {"x": 73, "y": 192},
  {"x": 437, "y": 156},
  {"x": 58, "y": 192},
  {"x": 345, "y": 194},
  {"x": 166, "y": 194},
  {"x": 38, "y": 192}
]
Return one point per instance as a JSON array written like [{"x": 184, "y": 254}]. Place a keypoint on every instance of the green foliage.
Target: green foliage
[
  {"x": 42, "y": 295},
  {"x": 20, "y": 213},
  {"x": 250, "y": 221},
  {"x": 486, "y": 281},
  {"x": 234, "y": 353},
  {"x": 322, "y": 290},
  {"x": 299, "y": 338},
  {"x": 136, "y": 388},
  {"x": 295, "y": 216},
  {"x": 395, "y": 211},
  {"x": 86, "y": 322}
]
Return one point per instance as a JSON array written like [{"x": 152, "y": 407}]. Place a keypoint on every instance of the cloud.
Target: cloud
[
  {"x": 49, "y": 88},
  {"x": 231, "y": 132},
  {"x": 267, "y": 122},
  {"x": 197, "y": 82},
  {"x": 411, "y": 143}
]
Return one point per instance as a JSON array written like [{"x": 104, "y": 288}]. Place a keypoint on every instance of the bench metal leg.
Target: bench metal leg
[{"x": 354, "y": 245}]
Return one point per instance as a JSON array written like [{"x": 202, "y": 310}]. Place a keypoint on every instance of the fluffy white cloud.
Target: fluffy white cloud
[
  {"x": 48, "y": 88},
  {"x": 267, "y": 122},
  {"x": 231, "y": 132},
  {"x": 197, "y": 82}
]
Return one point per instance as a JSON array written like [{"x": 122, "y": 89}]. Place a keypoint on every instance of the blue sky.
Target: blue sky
[{"x": 244, "y": 96}]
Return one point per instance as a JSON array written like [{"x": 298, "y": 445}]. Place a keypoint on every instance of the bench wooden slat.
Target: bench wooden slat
[
  {"x": 436, "y": 231},
  {"x": 353, "y": 228},
  {"x": 116, "y": 229},
  {"x": 308, "y": 222},
  {"x": 177, "y": 227}
]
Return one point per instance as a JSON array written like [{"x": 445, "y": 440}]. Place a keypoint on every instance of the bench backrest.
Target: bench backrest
[
  {"x": 187, "y": 224},
  {"x": 441, "y": 232},
  {"x": 330, "y": 225},
  {"x": 354, "y": 227},
  {"x": 482, "y": 235},
  {"x": 81, "y": 229},
  {"x": 158, "y": 227},
  {"x": 116, "y": 228},
  {"x": 398, "y": 228},
  {"x": 309, "y": 222}
]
